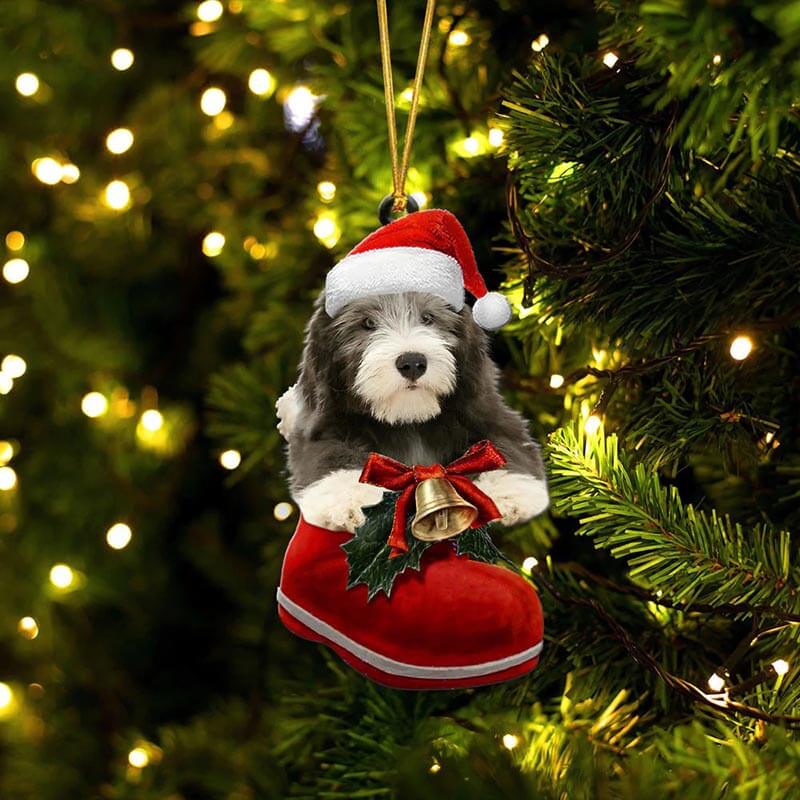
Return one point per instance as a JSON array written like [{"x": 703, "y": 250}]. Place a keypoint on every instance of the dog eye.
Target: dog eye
[
  {"x": 427, "y": 318},
  {"x": 368, "y": 324}
]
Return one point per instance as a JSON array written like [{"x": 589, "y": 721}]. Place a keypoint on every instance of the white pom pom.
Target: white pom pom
[{"x": 491, "y": 311}]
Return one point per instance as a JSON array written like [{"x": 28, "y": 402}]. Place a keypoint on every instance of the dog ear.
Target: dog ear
[{"x": 316, "y": 364}]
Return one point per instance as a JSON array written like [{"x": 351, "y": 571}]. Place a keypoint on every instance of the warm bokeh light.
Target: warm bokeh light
[
  {"x": 94, "y": 404},
  {"x": 13, "y": 365},
  {"x": 62, "y": 576},
  {"x": 15, "y": 270},
  {"x": 299, "y": 107},
  {"x": 326, "y": 191},
  {"x": 28, "y": 627},
  {"x": 6, "y": 452},
  {"x": 152, "y": 420},
  {"x": 420, "y": 198},
  {"x": 6, "y": 383},
  {"x": 47, "y": 170},
  {"x": 138, "y": 758},
  {"x": 540, "y": 42},
  {"x": 530, "y": 564},
  {"x": 326, "y": 230},
  {"x": 70, "y": 173},
  {"x": 610, "y": 59},
  {"x": 8, "y": 479},
  {"x": 510, "y": 741},
  {"x": 209, "y": 10},
  {"x": 459, "y": 38},
  {"x": 6, "y": 696},
  {"x": 716, "y": 683},
  {"x": 471, "y": 145},
  {"x": 780, "y": 666},
  {"x": 496, "y": 137},
  {"x": 261, "y": 82},
  {"x": 122, "y": 59},
  {"x": 27, "y": 84},
  {"x": 212, "y": 101},
  {"x": 592, "y": 424},
  {"x": 741, "y": 347},
  {"x": 117, "y": 195},
  {"x": 556, "y": 381},
  {"x": 230, "y": 459},
  {"x": 15, "y": 240},
  {"x": 119, "y": 536},
  {"x": 282, "y": 511},
  {"x": 119, "y": 140},
  {"x": 213, "y": 243}
]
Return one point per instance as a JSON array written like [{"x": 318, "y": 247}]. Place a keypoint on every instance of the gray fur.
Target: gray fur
[{"x": 335, "y": 429}]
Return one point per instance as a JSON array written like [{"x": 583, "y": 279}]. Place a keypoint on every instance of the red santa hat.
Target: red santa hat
[{"x": 427, "y": 251}]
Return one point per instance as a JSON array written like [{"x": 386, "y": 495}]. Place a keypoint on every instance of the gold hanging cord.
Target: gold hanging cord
[{"x": 400, "y": 168}]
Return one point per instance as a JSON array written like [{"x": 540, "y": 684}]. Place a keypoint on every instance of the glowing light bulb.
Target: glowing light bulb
[
  {"x": 556, "y": 381},
  {"x": 6, "y": 696},
  {"x": 230, "y": 459},
  {"x": 435, "y": 767},
  {"x": 282, "y": 511},
  {"x": 152, "y": 420},
  {"x": 6, "y": 383},
  {"x": 47, "y": 170},
  {"x": 261, "y": 82},
  {"x": 610, "y": 59},
  {"x": 299, "y": 107},
  {"x": 70, "y": 173},
  {"x": 27, "y": 84},
  {"x": 326, "y": 230},
  {"x": 741, "y": 347},
  {"x": 510, "y": 741},
  {"x": 459, "y": 38},
  {"x": 15, "y": 270},
  {"x": 62, "y": 576},
  {"x": 780, "y": 666},
  {"x": 496, "y": 137},
  {"x": 212, "y": 101},
  {"x": 8, "y": 479},
  {"x": 14, "y": 366},
  {"x": 213, "y": 243},
  {"x": 15, "y": 240},
  {"x": 117, "y": 195},
  {"x": 28, "y": 627},
  {"x": 94, "y": 404},
  {"x": 6, "y": 452},
  {"x": 138, "y": 758},
  {"x": 122, "y": 59},
  {"x": 326, "y": 191},
  {"x": 407, "y": 94},
  {"x": 540, "y": 42},
  {"x": 717, "y": 60},
  {"x": 119, "y": 536},
  {"x": 592, "y": 424},
  {"x": 209, "y": 11},
  {"x": 716, "y": 683},
  {"x": 119, "y": 140},
  {"x": 530, "y": 564},
  {"x": 471, "y": 145}
]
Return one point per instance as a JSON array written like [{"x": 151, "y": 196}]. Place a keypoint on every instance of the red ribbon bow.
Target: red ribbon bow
[{"x": 390, "y": 474}]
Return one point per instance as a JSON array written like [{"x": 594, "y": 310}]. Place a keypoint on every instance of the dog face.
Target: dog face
[{"x": 395, "y": 356}]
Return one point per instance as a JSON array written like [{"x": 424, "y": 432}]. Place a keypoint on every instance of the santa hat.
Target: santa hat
[{"x": 427, "y": 251}]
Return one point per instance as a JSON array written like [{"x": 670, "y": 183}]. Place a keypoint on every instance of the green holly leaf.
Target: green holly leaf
[{"x": 476, "y": 543}]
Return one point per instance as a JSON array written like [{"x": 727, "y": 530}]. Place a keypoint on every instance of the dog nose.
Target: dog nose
[{"x": 411, "y": 365}]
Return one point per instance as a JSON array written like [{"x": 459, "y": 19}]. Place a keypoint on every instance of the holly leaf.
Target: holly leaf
[
  {"x": 368, "y": 554},
  {"x": 476, "y": 543}
]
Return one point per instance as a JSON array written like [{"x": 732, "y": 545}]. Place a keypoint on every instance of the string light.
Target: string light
[
  {"x": 326, "y": 230},
  {"x": 471, "y": 145},
  {"x": 13, "y": 366},
  {"x": 592, "y": 424},
  {"x": 15, "y": 270},
  {"x": 119, "y": 536},
  {"x": 8, "y": 479},
  {"x": 152, "y": 420},
  {"x": 459, "y": 38},
  {"x": 741, "y": 347},
  {"x": 138, "y": 758},
  {"x": 282, "y": 511},
  {"x": 610, "y": 59},
  {"x": 94, "y": 404},
  {"x": 15, "y": 240},
  {"x": 510, "y": 741},
  {"x": 6, "y": 696},
  {"x": 326, "y": 191},
  {"x": 780, "y": 666},
  {"x": 213, "y": 243},
  {"x": 27, "y": 84},
  {"x": 299, "y": 107},
  {"x": 261, "y": 82},
  {"x": 28, "y": 627},
  {"x": 556, "y": 381},
  {"x": 119, "y": 140},
  {"x": 496, "y": 137},
  {"x": 434, "y": 768},
  {"x": 230, "y": 459},
  {"x": 717, "y": 60},
  {"x": 6, "y": 383},
  {"x": 117, "y": 195},
  {"x": 122, "y": 59},
  {"x": 70, "y": 173},
  {"x": 540, "y": 42},
  {"x": 212, "y": 101},
  {"x": 209, "y": 11},
  {"x": 47, "y": 170},
  {"x": 6, "y": 452},
  {"x": 716, "y": 683},
  {"x": 530, "y": 564},
  {"x": 62, "y": 576}
]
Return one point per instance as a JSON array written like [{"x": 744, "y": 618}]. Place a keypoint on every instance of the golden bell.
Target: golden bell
[{"x": 441, "y": 511}]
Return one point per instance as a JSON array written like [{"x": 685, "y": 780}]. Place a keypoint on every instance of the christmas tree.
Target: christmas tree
[{"x": 179, "y": 177}]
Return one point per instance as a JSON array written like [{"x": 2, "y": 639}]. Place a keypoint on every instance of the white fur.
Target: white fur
[
  {"x": 391, "y": 397},
  {"x": 518, "y": 497},
  {"x": 289, "y": 407},
  {"x": 491, "y": 311},
  {"x": 335, "y": 501}
]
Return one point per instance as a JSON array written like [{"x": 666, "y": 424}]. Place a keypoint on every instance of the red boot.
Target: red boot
[{"x": 455, "y": 623}]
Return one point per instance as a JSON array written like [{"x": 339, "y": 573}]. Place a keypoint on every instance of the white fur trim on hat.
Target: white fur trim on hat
[
  {"x": 393, "y": 270},
  {"x": 491, "y": 311}
]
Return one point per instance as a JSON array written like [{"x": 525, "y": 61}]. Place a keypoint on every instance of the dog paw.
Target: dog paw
[
  {"x": 518, "y": 496},
  {"x": 288, "y": 406},
  {"x": 335, "y": 502}
]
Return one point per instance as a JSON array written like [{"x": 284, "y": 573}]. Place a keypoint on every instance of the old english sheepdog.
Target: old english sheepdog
[{"x": 407, "y": 376}]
